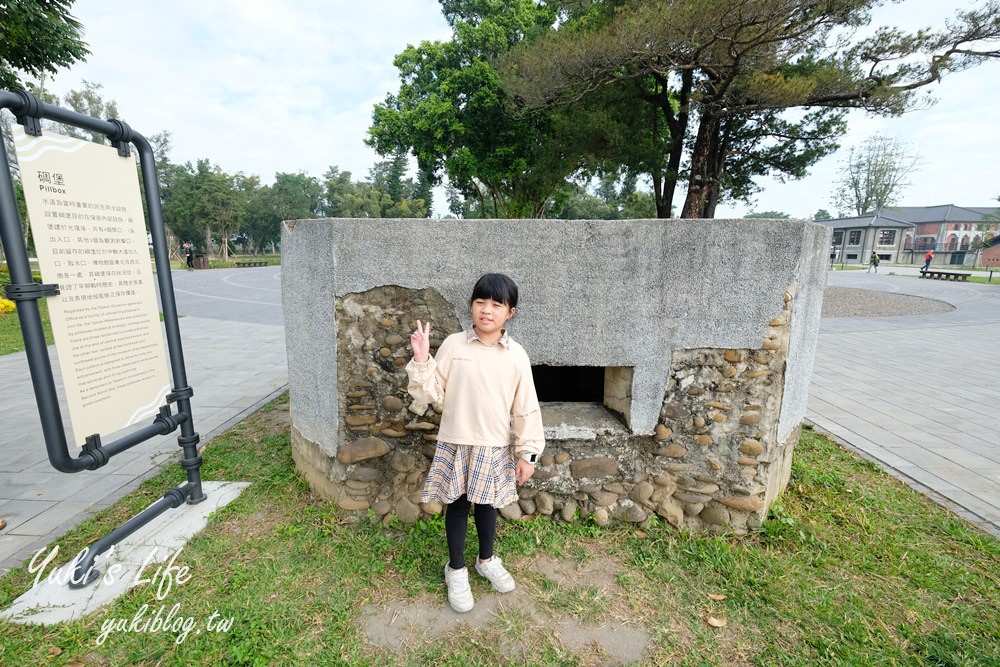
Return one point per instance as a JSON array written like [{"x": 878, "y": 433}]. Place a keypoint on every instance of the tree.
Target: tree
[
  {"x": 424, "y": 191},
  {"x": 178, "y": 191},
  {"x": 822, "y": 214},
  {"x": 388, "y": 176},
  {"x": 219, "y": 204},
  {"x": 37, "y": 37},
  {"x": 296, "y": 196},
  {"x": 711, "y": 79},
  {"x": 372, "y": 198},
  {"x": 291, "y": 197},
  {"x": 874, "y": 175},
  {"x": 778, "y": 215},
  {"x": 203, "y": 200},
  {"x": 752, "y": 145},
  {"x": 614, "y": 198},
  {"x": 575, "y": 203},
  {"x": 398, "y": 197},
  {"x": 349, "y": 199},
  {"x": 90, "y": 102},
  {"x": 261, "y": 226},
  {"x": 452, "y": 113}
]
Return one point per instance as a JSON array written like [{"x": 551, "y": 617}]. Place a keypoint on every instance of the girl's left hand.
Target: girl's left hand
[{"x": 523, "y": 471}]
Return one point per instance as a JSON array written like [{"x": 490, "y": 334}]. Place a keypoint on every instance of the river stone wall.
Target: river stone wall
[{"x": 707, "y": 331}]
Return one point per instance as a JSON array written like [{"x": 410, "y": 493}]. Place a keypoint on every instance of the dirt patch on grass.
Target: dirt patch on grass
[
  {"x": 251, "y": 527},
  {"x": 598, "y": 574},
  {"x": 275, "y": 420},
  {"x": 524, "y": 615}
]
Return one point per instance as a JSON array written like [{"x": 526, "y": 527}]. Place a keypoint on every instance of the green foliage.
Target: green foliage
[
  {"x": 765, "y": 144},
  {"x": 202, "y": 200},
  {"x": 296, "y": 196},
  {"x": 386, "y": 194},
  {"x": 261, "y": 229},
  {"x": 611, "y": 201},
  {"x": 37, "y": 37},
  {"x": 22, "y": 211},
  {"x": 398, "y": 196},
  {"x": 452, "y": 113},
  {"x": 291, "y": 197},
  {"x": 705, "y": 83},
  {"x": 768, "y": 215},
  {"x": 205, "y": 206},
  {"x": 10, "y": 326}
]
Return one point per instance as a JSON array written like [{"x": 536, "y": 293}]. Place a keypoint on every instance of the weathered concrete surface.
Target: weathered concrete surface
[{"x": 593, "y": 293}]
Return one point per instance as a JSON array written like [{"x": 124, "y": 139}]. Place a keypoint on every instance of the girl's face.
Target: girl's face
[{"x": 489, "y": 317}]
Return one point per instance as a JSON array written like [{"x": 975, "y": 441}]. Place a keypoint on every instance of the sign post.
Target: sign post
[{"x": 99, "y": 283}]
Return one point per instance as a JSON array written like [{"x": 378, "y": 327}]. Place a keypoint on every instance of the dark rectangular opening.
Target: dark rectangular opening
[{"x": 579, "y": 384}]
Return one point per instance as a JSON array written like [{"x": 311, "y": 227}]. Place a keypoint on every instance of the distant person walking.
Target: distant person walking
[
  {"x": 873, "y": 262},
  {"x": 927, "y": 260},
  {"x": 190, "y": 258}
]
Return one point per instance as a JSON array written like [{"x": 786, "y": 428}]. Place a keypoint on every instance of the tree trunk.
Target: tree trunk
[
  {"x": 678, "y": 126},
  {"x": 701, "y": 178},
  {"x": 665, "y": 180},
  {"x": 208, "y": 241},
  {"x": 711, "y": 200},
  {"x": 663, "y": 184},
  {"x": 718, "y": 153}
]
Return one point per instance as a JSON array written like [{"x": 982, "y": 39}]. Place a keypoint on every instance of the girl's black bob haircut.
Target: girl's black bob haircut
[{"x": 496, "y": 287}]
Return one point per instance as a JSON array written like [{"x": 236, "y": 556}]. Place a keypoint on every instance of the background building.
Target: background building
[{"x": 902, "y": 234}]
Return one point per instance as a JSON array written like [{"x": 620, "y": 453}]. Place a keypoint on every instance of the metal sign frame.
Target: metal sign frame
[{"x": 30, "y": 111}]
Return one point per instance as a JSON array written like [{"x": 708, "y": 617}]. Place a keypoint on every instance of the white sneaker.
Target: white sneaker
[
  {"x": 498, "y": 575},
  {"x": 459, "y": 594}
]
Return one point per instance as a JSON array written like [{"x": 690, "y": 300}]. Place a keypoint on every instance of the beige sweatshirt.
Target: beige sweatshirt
[{"x": 487, "y": 392}]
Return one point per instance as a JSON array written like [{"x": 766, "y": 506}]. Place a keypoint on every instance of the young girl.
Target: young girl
[{"x": 483, "y": 379}]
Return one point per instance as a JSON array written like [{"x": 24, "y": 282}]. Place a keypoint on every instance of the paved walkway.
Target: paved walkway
[
  {"x": 919, "y": 394},
  {"x": 234, "y": 348}
]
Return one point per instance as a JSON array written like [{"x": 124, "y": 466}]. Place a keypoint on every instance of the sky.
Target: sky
[{"x": 265, "y": 86}]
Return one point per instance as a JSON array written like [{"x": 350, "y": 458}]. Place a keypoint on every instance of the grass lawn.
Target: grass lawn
[
  {"x": 852, "y": 568},
  {"x": 10, "y": 329},
  {"x": 10, "y": 326},
  {"x": 983, "y": 279}
]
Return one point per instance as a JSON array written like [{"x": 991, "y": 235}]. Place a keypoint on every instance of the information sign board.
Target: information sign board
[{"x": 90, "y": 239}]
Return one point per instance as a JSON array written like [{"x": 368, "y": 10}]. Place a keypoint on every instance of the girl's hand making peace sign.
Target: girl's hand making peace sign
[{"x": 420, "y": 340}]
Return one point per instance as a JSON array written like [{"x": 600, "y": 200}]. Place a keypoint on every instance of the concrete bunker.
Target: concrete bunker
[{"x": 673, "y": 357}]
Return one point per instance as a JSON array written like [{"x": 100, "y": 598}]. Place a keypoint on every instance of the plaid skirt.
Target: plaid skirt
[{"x": 484, "y": 474}]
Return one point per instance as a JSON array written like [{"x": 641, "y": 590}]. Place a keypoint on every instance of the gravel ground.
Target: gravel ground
[{"x": 851, "y": 302}]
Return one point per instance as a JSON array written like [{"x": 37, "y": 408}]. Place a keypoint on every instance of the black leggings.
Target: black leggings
[{"x": 456, "y": 526}]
